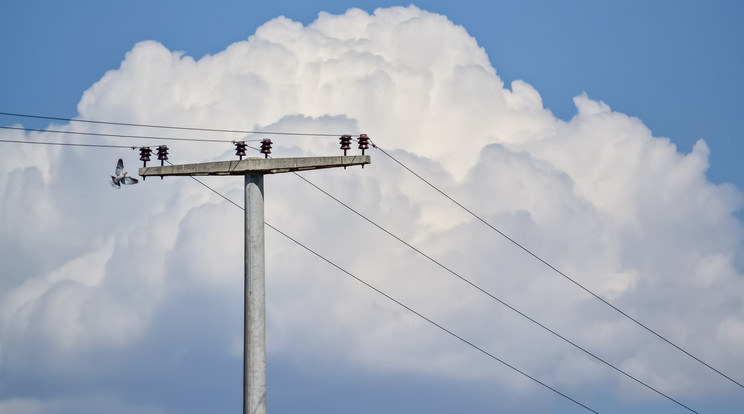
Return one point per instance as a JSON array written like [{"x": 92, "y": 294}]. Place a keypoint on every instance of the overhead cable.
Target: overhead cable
[
  {"x": 98, "y": 134},
  {"x": 492, "y": 296},
  {"x": 535, "y": 256},
  {"x": 543, "y": 261},
  {"x": 69, "y": 144},
  {"x": 408, "y": 308},
  {"x": 181, "y": 128}
]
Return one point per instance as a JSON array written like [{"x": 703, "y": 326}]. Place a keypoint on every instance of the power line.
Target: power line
[
  {"x": 472, "y": 345},
  {"x": 472, "y": 284},
  {"x": 65, "y": 144},
  {"x": 476, "y": 287},
  {"x": 374, "y": 146},
  {"x": 235, "y": 131},
  {"x": 421, "y": 253},
  {"x": 401, "y": 304},
  {"x": 98, "y": 134},
  {"x": 535, "y": 256}
]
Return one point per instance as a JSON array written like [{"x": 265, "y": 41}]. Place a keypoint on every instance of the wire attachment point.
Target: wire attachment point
[
  {"x": 162, "y": 155},
  {"x": 363, "y": 142},
  {"x": 240, "y": 147},
  {"x": 145, "y": 155},
  {"x": 266, "y": 147},
  {"x": 345, "y": 141}
]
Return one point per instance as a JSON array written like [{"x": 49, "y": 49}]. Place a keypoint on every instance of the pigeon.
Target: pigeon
[{"x": 121, "y": 176}]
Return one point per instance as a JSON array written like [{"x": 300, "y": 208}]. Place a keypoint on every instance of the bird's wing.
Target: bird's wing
[
  {"x": 114, "y": 182},
  {"x": 129, "y": 180},
  {"x": 119, "y": 167}
]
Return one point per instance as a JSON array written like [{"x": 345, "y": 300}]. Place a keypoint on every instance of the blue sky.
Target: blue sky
[{"x": 674, "y": 65}]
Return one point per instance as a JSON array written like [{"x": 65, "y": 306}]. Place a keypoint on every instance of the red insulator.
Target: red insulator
[
  {"x": 145, "y": 155},
  {"x": 363, "y": 142},
  {"x": 162, "y": 154},
  {"x": 266, "y": 147},
  {"x": 345, "y": 141},
  {"x": 240, "y": 147}
]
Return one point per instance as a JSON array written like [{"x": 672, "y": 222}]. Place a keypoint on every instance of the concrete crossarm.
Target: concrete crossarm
[{"x": 256, "y": 165}]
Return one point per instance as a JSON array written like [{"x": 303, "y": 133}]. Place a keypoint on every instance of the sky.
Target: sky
[{"x": 602, "y": 136}]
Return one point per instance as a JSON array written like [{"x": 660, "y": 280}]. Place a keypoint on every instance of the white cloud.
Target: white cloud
[{"x": 626, "y": 214}]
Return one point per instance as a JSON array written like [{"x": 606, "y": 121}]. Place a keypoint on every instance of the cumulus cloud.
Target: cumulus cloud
[{"x": 126, "y": 274}]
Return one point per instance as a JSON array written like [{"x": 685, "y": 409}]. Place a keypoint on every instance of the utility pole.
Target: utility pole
[{"x": 254, "y": 169}]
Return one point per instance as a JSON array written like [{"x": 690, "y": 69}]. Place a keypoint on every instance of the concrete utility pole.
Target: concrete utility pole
[{"x": 254, "y": 347}]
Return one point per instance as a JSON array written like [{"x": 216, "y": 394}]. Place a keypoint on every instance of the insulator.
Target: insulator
[
  {"x": 266, "y": 147},
  {"x": 240, "y": 147},
  {"x": 363, "y": 142},
  {"x": 145, "y": 155},
  {"x": 345, "y": 141},
  {"x": 162, "y": 155}
]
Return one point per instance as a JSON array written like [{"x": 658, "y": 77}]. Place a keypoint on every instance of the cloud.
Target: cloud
[{"x": 127, "y": 274}]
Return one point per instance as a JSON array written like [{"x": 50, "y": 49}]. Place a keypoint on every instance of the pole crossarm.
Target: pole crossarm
[{"x": 255, "y": 165}]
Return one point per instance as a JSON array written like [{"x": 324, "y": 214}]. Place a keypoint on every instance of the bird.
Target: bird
[{"x": 121, "y": 176}]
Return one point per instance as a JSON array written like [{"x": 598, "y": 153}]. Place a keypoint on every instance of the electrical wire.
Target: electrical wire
[
  {"x": 394, "y": 300},
  {"x": 404, "y": 306},
  {"x": 181, "y": 128},
  {"x": 564, "y": 275},
  {"x": 492, "y": 296},
  {"x": 69, "y": 144},
  {"x": 432, "y": 322},
  {"x": 374, "y": 146},
  {"x": 389, "y": 233},
  {"x": 98, "y": 134}
]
